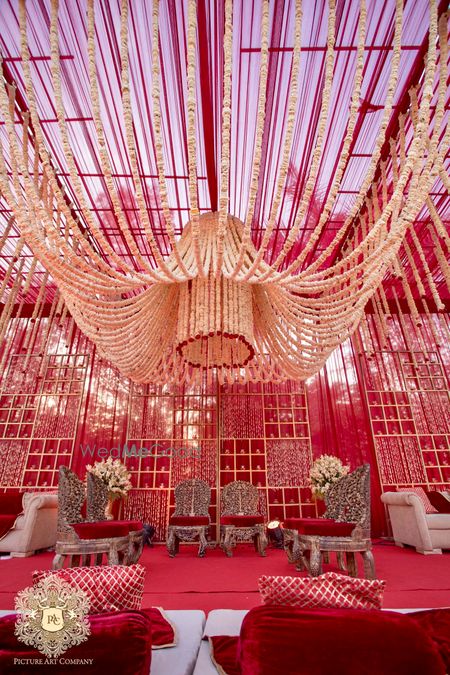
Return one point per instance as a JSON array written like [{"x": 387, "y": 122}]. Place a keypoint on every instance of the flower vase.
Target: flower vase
[{"x": 109, "y": 507}]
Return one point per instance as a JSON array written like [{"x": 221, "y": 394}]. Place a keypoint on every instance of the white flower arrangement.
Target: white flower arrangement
[
  {"x": 325, "y": 471},
  {"x": 114, "y": 475}
]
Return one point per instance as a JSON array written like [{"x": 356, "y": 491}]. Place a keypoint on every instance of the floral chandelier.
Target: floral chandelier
[{"x": 215, "y": 303}]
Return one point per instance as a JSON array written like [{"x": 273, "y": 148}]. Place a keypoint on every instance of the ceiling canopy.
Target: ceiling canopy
[{"x": 223, "y": 185}]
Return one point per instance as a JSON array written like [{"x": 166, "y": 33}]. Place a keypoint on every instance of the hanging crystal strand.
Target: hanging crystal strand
[
  {"x": 12, "y": 295},
  {"x": 442, "y": 319},
  {"x": 381, "y": 320},
  {"x": 191, "y": 105},
  {"x": 440, "y": 256},
  {"x": 367, "y": 340},
  {"x": 16, "y": 254},
  {"x": 51, "y": 324},
  {"x": 406, "y": 332},
  {"x": 10, "y": 335},
  {"x": 35, "y": 322},
  {"x": 411, "y": 302},
  {"x": 430, "y": 323},
  {"x": 431, "y": 285}
]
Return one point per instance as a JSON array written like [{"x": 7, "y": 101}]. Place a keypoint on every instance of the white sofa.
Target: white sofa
[
  {"x": 427, "y": 532},
  {"x": 35, "y": 528}
]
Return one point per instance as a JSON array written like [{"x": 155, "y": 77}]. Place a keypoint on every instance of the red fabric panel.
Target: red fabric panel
[
  {"x": 101, "y": 530},
  {"x": 277, "y": 640},
  {"x": 324, "y": 527},
  {"x": 163, "y": 634},
  {"x": 242, "y": 521},
  {"x": 120, "y": 644},
  {"x": 224, "y": 653},
  {"x": 11, "y": 503},
  {"x": 6, "y": 523},
  {"x": 189, "y": 520},
  {"x": 440, "y": 503}
]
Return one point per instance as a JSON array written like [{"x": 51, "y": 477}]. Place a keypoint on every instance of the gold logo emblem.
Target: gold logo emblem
[{"x": 52, "y": 616}]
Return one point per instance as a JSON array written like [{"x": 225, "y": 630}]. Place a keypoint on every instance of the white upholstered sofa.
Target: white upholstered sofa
[
  {"x": 427, "y": 532},
  {"x": 33, "y": 529}
]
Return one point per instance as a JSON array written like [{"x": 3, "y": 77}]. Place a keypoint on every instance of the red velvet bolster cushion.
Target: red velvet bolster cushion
[
  {"x": 190, "y": 521},
  {"x": 438, "y": 501},
  {"x": 11, "y": 503},
  {"x": 242, "y": 521},
  {"x": 277, "y": 639},
  {"x": 322, "y": 527},
  {"x": 6, "y": 523},
  {"x": 120, "y": 644},
  {"x": 103, "y": 529}
]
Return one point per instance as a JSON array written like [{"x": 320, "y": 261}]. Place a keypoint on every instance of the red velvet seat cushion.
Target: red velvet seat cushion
[
  {"x": 189, "y": 520},
  {"x": 6, "y": 523},
  {"x": 104, "y": 529},
  {"x": 440, "y": 503},
  {"x": 120, "y": 644},
  {"x": 11, "y": 503},
  {"x": 242, "y": 521},
  {"x": 132, "y": 525},
  {"x": 277, "y": 640},
  {"x": 322, "y": 527}
]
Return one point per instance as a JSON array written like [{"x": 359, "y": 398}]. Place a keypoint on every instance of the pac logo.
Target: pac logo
[{"x": 52, "y": 616}]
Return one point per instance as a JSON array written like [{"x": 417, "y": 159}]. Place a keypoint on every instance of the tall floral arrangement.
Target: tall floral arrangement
[
  {"x": 325, "y": 471},
  {"x": 113, "y": 474}
]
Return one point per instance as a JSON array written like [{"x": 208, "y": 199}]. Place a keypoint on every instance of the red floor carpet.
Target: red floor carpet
[{"x": 188, "y": 582}]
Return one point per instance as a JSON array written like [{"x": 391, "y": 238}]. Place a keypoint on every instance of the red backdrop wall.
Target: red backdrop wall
[{"x": 387, "y": 407}]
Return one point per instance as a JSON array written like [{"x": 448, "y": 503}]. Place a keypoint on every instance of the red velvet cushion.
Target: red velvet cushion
[
  {"x": 131, "y": 525},
  {"x": 242, "y": 521},
  {"x": 163, "y": 633},
  {"x": 189, "y": 520},
  {"x": 109, "y": 587},
  {"x": 436, "y": 623},
  {"x": 224, "y": 654},
  {"x": 322, "y": 527},
  {"x": 6, "y": 523},
  {"x": 11, "y": 503},
  {"x": 277, "y": 640},
  {"x": 103, "y": 529},
  {"x": 440, "y": 503},
  {"x": 120, "y": 644}
]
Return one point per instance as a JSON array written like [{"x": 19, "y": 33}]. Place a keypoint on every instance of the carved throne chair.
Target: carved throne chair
[
  {"x": 240, "y": 519},
  {"x": 97, "y": 499},
  {"x": 344, "y": 528},
  {"x": 80, "y": 540},
  {"x": 190, "y": 519}
]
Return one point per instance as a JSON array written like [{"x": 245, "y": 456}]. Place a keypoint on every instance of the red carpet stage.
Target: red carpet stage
[{"x": 188, "y": 582}]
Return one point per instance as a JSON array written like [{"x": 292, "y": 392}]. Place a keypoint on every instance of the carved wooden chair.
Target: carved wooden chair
[
  {"x": 344, "y": 528},
  {"x": 79, "y": 539},
  {"x": 240, "y": 519},
  {"x": 191, "y": 516},
  {"x": 97, "y": 499}
]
